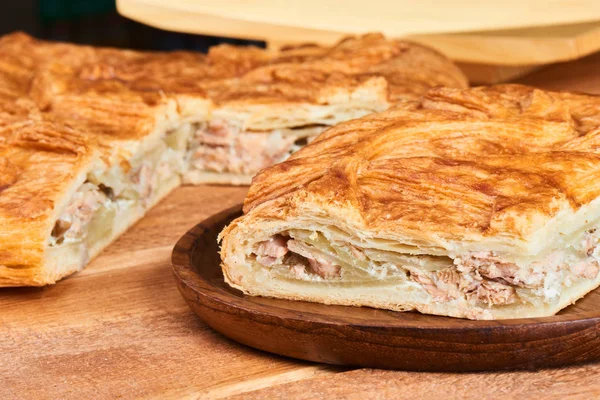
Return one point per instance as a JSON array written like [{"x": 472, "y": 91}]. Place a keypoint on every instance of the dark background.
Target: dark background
[{"x": 95, "y": 22}]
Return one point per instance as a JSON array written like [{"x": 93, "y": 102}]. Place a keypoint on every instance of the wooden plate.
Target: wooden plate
[{"x": 368, "y": 337}]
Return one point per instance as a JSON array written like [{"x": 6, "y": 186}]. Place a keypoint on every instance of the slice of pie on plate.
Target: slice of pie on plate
[{"x": 481, "y": 203}]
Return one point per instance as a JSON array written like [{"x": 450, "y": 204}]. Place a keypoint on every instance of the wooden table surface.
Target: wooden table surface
[{"x": 120, "y": 328}]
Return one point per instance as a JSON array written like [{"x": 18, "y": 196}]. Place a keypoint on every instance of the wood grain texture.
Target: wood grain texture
[
  {"x": 582, "y": 75},
  {"x": 570, "y": 383},
  {"x": 486, "y": 74},
  {"x": 120, "y": 328},
  {"x": 578, "y": 75}
]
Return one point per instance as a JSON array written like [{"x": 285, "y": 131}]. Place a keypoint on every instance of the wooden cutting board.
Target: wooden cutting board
[{"x": 511, "y": 33}]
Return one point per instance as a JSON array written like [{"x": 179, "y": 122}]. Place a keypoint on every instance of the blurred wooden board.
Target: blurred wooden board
[
  {"x": 525, "y": 32},
  {"x": 519, "y": 47},
  {"x": 485, "y": 74}
]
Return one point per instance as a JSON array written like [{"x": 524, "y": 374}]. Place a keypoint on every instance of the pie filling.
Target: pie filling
[
  {"x": 113, "y": 197},
  {"x": 219, "y": 146},
  {"x": 482, "y": 277},
  {"x": 110, "y": 200}
]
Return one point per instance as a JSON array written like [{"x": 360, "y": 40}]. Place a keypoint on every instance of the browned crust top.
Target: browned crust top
[{"x": 482, "y": 161}]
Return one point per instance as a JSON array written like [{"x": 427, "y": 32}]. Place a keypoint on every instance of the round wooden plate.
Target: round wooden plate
[{"x": 368, "y": 337}]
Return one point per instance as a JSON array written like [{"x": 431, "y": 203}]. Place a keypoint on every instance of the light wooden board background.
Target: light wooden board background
[
  {"x": 511, "y": 33},
  {"x": 392, "y": 17},
  {"x": 119, "y": 329}
]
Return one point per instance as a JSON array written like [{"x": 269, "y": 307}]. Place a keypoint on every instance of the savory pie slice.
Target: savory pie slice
[
  {"x": 92, "y": 138},
  {"x": 480, "y": 203}
]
